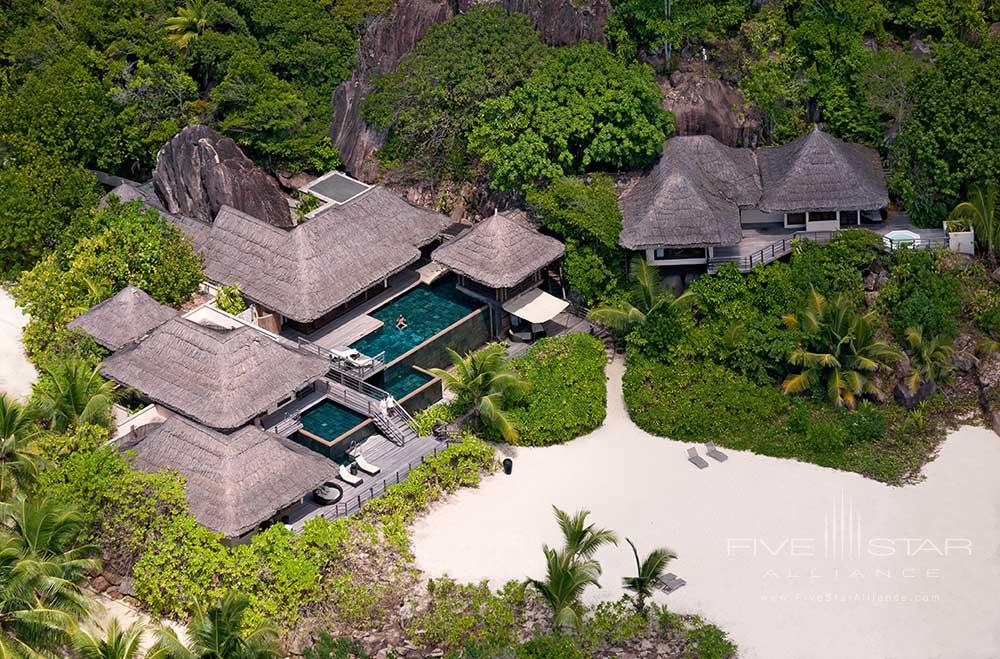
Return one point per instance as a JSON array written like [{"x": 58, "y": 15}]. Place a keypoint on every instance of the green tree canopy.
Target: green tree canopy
[
  {"x": 430, "y": 102},
  {"x": 582, "y": 110}
]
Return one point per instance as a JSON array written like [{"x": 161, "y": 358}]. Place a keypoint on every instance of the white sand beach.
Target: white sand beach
[
  {"x": 793, "y": 560},
  {"x": 16, "y": 372}
]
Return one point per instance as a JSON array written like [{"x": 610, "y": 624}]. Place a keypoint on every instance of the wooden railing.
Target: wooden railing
[
  {"x": 339, "y": 365},
  {"x": 357, "y": 499},
  {"x": 782, "y": 247}
]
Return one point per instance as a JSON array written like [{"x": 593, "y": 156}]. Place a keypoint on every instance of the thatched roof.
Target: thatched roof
[
  {"x": 123, "y": 318},
  {"x": 818, "y": 172},
  {"x": 500, "y": 252},
  {"x": 221, "y": 378},
  {"x": 234, "y": 482},
  {"x": 320, "y": 264},
  {"x": 691, "y": 197}
]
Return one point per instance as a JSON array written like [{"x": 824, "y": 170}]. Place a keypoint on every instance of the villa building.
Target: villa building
[
  {"x": 502, "y": 261},
  {"x": 704, "y": 203}
]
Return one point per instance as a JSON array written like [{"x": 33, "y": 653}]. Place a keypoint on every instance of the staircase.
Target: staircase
[{"x": 395, "y": 423}]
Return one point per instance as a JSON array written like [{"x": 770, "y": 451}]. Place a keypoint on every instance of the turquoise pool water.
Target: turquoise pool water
[
  {"x": 401, "y": 381},
  {"x": 427, "y": 309},
  {"x": 330, "y": 420}
]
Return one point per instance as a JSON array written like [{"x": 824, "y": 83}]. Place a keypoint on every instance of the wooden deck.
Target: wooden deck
[
  {"x": 565, "y": 323},
  {"x": 396, "y": 462}
]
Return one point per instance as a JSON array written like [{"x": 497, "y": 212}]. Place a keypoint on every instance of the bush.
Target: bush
[
  {"x": 327, "y": 647},
  {"x": 866, "y": 424},
  {"x": 581, "y": 110},
  {"x": 921, "y": 293},
  {"x": 826, "y": 436},
  {"x": 568, "y": 391},
  {"x": 552, "y": 646},
  {"x": 230, "y": 299},
  {"x": 460, "y": 614}
]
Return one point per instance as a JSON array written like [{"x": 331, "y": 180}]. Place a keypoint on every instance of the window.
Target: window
[
  {"x": 667, "y": 254},
  {"x": 848, "y": 218},
  {"x": 795, "y": 219}
]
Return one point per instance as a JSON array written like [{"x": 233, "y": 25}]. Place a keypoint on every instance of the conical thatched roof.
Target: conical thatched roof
[
  {"x": 123, "y": 318},
  {"x": 221, "y": 378},
  {"x": 818, "y": 172},
  {"x": 234, "y": 482},
  {"x": 691, "y": 197},
  {"x": 500, "y": 252}
]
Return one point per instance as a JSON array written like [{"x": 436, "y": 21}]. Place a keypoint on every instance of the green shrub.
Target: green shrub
[
  {"x": 986, "y": 311},
  {"x": 327, "y": 647},
  {"x": 459, "y": 614},
  {"x": 921, "y": 293},
  {"x": 709, "y": 641},
  {"x": 866, "y": 424},
  {"x": 230, "y": 299},
  {"x": 611, "y": 623},
  {"x": 826, "y": 436},
  {"x": 568, "y": 392},
  {"x": 552, "y": 646},
  {"x": 429, "y": 417}
]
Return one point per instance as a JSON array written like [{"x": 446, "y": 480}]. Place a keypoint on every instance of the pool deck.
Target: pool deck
[
  {"x": 395, "y": 462},
  {"x": 344, "y": 331}
]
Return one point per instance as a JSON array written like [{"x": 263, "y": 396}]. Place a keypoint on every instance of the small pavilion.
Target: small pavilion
[{"x": 502, "y": 261}]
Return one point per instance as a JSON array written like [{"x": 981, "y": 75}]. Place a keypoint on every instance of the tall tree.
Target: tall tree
[
  {"x": 19, "y": 464},
  {"x": 649, "y": 571},
  {"x": 74, "y": 393},
  {"x": 483, "y": 382},
  {"x": 189, "y": 23},
  {"x": 118, "y": 643},
  {"x": 650, "y": 296}
]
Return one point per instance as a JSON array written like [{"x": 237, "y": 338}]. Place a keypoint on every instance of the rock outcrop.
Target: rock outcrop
[
  {"x": 199, "y": 170},
  {"x": 703, "y": 105},
  {"x": 390, "y": 37}
]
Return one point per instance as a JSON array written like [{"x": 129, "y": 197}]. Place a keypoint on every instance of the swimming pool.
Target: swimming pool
[
  {"x": 400, "y": 381},
  {"x": 427, "y": 309},
  {"x": 330, "y": 420}
]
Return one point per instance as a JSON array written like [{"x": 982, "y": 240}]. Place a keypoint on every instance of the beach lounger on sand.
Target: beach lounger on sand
[
  {"x": 670, "y": 582},
  {"x": 348, "y": 477},
  {"x": 715, "y": 453},
  {"x": 696, "y": 459},
  {"x": 365, "y": 466}
]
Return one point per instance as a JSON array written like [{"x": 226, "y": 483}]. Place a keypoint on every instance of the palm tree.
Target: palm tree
[
  {"x": 19, "y": 464},
  {"x": 483, "y": 383},
  {"x": 930, "y": 359},
  {"x": 40, "y": 576},
  {"x": 582, "y": 539},
  {"x": 566, "y": 577},
  {"x": 981, "y": 212},
  {"x": 118, "y": 644},
  {"x": 840, "y": 351},
  {"x": 649, "y": 571},
  {"x": 189, "y": 23},
  {"x": 651, "y": 294},
  {"x": 74, "y": 394},
  {"x": 217, "y": 632}
]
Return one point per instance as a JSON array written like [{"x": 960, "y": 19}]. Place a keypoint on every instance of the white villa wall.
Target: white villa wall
[{"x": 652, "y": 260}]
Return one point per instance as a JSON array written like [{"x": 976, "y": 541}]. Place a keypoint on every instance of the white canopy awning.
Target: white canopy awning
[{"x": 535, "y": 306}]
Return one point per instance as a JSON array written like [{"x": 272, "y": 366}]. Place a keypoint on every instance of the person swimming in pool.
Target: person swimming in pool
[{"x": 401, "y": 322}]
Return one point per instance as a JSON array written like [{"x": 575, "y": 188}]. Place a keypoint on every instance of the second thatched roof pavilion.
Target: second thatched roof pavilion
[
  {"x": 123, "y": 318},
  {"x": 500, "y": 259}
]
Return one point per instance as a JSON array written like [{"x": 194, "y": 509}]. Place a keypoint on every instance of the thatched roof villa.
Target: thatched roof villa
[
  {"x": 123, "y": 318},
  {"x": 501, "y": 261},
  {"x": 317, "y": 270},
  {"x": 221, "y": 378},
  {"x": 702, "y": 195},
  {"x": 234, "y": 481}
]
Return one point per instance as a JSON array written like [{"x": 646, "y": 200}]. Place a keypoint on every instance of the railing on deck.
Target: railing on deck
[
  {"x": 354, "y": 502},
  {"x": 339, "y": 365},
  {"x": 780, "y": 248}
]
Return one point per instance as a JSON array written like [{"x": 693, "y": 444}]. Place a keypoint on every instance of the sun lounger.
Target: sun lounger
[
  {"x": 696, "y": 459},
  {"x": 365, "y": 466},
  {"x": 671, "y": 582},
  {"x": 715, "y": 453},
  {"x": 348, "y": 477},
  {"x": 352, "y": 357}
]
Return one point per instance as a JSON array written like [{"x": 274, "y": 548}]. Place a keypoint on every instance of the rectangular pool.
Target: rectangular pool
[
  {"x": 400, "y": 381},
  {"x": 330, "y": 420},
  {"x": 427, "y": 309}
]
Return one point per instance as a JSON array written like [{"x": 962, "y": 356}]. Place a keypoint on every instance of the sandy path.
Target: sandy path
[
  {"x": 16, "y": 372},
  {"x": 792, "y": 559}
]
